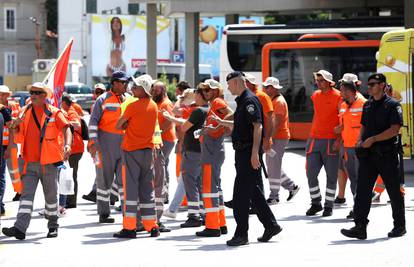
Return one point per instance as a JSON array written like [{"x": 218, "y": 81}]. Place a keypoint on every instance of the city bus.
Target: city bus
[
  {"x": 293, "y": 52},
  {"x": 395, "y": 60}
]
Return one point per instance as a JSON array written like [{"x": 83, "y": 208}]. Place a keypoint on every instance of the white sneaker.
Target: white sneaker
[{"x": 169, "y": 214}]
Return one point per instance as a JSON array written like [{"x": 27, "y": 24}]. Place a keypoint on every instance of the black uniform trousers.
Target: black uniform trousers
[
  {"x": 387, "y": 165},
  {"x": 247, "y": 190}
]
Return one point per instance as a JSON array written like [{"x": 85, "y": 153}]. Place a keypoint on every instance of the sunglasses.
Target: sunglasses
[
  {"x": 207, "y": 90},
  {"x": 36, "y": 92},
  {"x": 372, "y": 84}
]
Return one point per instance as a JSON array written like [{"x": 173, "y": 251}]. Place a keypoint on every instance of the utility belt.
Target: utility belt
[
  {"x": 379, "y": 150},
  {"x": 240, "y": 146}
]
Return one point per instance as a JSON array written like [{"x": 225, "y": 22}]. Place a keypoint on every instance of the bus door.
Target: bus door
[{"x": 294, "y": 63}]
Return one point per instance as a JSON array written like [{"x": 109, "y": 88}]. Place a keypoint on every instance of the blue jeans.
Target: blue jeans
[
  {"x": 178, "y": 196},
  {"x": 2, "y": 181}
]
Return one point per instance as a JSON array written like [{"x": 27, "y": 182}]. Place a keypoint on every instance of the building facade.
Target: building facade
[{"x": 18, "y": 46}]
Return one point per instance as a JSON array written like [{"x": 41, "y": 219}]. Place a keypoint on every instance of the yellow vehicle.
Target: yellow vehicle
[{"x": 395, "y": 60}]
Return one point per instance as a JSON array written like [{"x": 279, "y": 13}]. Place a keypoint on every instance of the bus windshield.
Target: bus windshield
[
  {"x": 294, "y": 68},
  {"x": 244, "y": 50}
]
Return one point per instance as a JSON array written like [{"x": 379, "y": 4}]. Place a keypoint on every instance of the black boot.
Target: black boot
[
  {"x": 397, "y": 231},
  {"x": 358, "y": 231},
  {"x": 327, "y": 212},
  {"x": 53, "y": 232},
  {"x": 237, "y": 241},
  {"x": 315, "y": 208},
  {"x": 191, "y": 222},
  {"x": 90, "y": 197},
  {"x": 124, "y": 233},
  {"x": 163, "y": 228},
  {"x": 223, "y": 230},
  {"x": 13, "y": 231},
  {"x": 269, "y": 233},
  {"x": 209, "y": 233},
  {"x": 155, "y": 232},
  {"x": 106, "y": 219},
  {"x": 16, "y": 197}
]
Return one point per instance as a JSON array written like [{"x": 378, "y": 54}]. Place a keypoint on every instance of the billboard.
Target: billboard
[
  {"x": 118, "y": 42},
  {"x": 211, "y": 30}
]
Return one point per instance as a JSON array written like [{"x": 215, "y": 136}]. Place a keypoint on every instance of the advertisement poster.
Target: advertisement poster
[
  {"x": 211, "y": 30},
  {"x": 119, "y": 43}
]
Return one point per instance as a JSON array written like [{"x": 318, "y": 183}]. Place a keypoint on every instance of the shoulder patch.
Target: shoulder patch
[
  {"x": 251, "y": 109},
  {"x": 399, "y": 109}
]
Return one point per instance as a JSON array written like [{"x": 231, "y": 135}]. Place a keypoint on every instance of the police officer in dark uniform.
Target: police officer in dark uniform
[
  {"x": 377, "y": 151},
  {"x": 246, "y": 137}
]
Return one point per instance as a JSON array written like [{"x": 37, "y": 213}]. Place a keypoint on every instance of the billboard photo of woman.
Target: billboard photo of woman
[{"x": 117, "y": 46}]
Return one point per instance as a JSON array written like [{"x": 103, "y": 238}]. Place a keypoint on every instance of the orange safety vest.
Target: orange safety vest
[
  {"x": 15, "y": 108},
  {"x": 111, "y": 112},
  {"x": 350, "y": 118},
  {"x": 52, "y": 144}
]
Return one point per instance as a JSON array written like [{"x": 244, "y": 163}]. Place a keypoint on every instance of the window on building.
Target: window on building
[
  {"x": 91, "y": 6},
  {"x": 9, "y": 19},
  {"x": 10, "y": 63},
  {"x": 133, "y": 9}
]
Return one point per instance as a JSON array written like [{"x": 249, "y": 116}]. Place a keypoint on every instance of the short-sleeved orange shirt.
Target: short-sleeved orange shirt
[
  {"x": 167, "y": 134},
  {"x": 216, "y": 105},
  {"x": 142, "y": 117},
  {"x": 325, "y": 117},
  {"x": 280, "y": 107},
  {"x": 78, "y": 109},
  {"x": 77, "y": 145},
  {"x": 265, "y": 101},
  {"x": 32, "y": 148}
]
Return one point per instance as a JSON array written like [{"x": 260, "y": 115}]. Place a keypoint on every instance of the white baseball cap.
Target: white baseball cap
[
  {"x": 213, "y": 84},
  {"x": 350, "y": 78},
  {"x": 5, "y": 89},
  {"x": 251, "y": 78},
  {"x": 326, "y": 75},
  {"x": 273, "y": 82}
]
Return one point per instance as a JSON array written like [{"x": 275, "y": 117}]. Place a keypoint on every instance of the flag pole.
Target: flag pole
[{"x": 54, "y": 65}]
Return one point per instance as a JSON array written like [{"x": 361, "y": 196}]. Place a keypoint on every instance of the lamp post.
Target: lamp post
[{"x": 37, "y": 36}]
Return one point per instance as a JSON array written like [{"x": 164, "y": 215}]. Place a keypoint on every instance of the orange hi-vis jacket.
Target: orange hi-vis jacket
[
  {"x": 52, "y": 144},
  {"x": 15, "y": 108},
  {"x": 105, "y": 115},
  {"x": 350, "y": 118}
]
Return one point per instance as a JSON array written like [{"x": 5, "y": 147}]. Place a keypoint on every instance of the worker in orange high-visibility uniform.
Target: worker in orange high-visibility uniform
[
  {"x": 139, "y": 121},
  {"x": 10, "y": 152},
  {"x": 212, "y": 158},
  {"x": 323, "y": 143},
  {"x": 77, "y": 146},
  {"x": 162, "y": 154},
  {"x": 280, "y": 139},
  {"x": 350, "y": 114},
  {"x": 39, "y": 131},
  {"x": 106, "y": 139}
]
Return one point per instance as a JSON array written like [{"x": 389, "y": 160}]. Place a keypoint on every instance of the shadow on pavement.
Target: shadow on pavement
[
  {"x": 103, "y": 239},
  {"x": 4, "y": 240},
  {"x": 212, "y": 247},
  {"x": 192, "y": 237},
  {"x": 329, "y": 220},
  {"x": 86, "y": 225},
  {"x": 358, "y": 242}
]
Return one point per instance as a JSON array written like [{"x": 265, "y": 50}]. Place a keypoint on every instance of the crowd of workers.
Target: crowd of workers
[{"x": 134, "y": 127}]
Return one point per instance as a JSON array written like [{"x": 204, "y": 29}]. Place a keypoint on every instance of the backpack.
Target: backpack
[{"x": 84, "y": 130}]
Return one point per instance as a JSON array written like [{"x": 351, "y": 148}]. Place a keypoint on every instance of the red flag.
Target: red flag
[{"x": 55, "y": 79}]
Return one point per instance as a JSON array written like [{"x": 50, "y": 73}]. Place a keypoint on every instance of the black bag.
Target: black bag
[{"x": 84, "y": 130}]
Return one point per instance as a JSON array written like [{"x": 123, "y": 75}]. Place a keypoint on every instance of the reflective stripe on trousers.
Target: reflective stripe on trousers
[
  {"x": 47, "y": 175},
  {"x": 319, "y": 153},
  {"x": 139, "y": 196}
]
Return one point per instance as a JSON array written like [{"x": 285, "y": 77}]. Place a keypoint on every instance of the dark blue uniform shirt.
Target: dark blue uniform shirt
[
  {"x": 379, "y": 115},
  {"x": 248, "y": 111}
]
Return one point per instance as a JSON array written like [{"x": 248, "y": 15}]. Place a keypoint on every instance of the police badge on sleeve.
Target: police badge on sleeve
[{"x": 251, "y": 109}]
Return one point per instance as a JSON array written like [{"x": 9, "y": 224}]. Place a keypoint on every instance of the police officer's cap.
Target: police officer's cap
[
  {"x": 379, "y": 77},
  {"x": 234, "y": 74}
]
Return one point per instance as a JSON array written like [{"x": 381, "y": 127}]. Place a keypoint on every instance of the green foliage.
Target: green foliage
[
  {"x": 283, "y": 19},
  {"x": 170, "y": 86}
]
